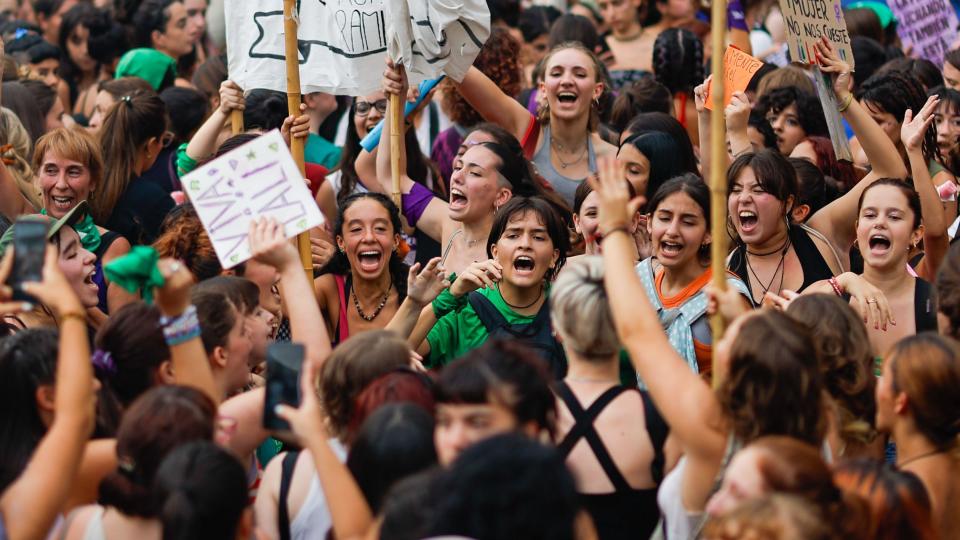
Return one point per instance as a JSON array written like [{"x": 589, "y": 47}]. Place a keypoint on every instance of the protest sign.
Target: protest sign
[
  {"x": 258, "y": 179},
  {"x": 343, "y": 43},
  {"x": 738, "y": 69},
  {"x": 928, "y": 26},
  {"x": 831, "y": 113},
  {"x": 808, "y": 21}
]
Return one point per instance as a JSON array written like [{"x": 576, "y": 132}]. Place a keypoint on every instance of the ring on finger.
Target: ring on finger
[{"x": 174, "y": 267}]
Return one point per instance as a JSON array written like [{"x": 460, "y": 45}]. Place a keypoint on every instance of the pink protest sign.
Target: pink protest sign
[{"x": 929, "y": 27}]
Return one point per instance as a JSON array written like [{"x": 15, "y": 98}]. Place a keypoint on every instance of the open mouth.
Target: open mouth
[
  {"x": 457, "y": 199},
  {"x": 524, "y": 264},
  {"x": 748, "y": 220},
  {"x": 89, "y": 282},
  {"x": 670, "y": 248},
  {"x": 62, "y": 203},
  {"x": 567, "y": 97},
  {"x": 369, "y": 260},
  {"x": 879, "y": 244}
]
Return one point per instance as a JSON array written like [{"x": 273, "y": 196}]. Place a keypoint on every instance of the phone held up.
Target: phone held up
[
  {"x": 29, "y": 246},
  {"x": 284, "y": 361}
]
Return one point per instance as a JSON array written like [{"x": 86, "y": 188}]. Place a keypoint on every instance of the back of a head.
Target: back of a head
[
  {"x": 407, "y": 509},
  {"x": 402, "y": 385},
  {"x": 491, "y": 480},
  {"x": 536, "y": 21},
  {"x": 570, "y": 27},
  {"x": 898, "y": 500},
  {"x": 773, "y": 517},
  {"x": 786, "y": 77},
  {"x": 208, "y": 77},
  {"x": 506, "y": 373},
  {"x": 108, "y": 39},
  {"x": 18, "y": 99},
  {"x": 201, "y": 493},
  {"x": 159, "y": 421},
  {"x": 926, "y": 367},
  {"x": 641, "y": 96},
  {"x": 685, "y": 160},
  {"x": 354, "y": 364},
  {"x": 183, "y": 237},
  {"x": 241, "y": 292},
  {"x": 920, "y": 69},
  {"x": 187, "y": 109},
  {"x": 396, "y": 441},
  {"x": 773, "y": 386},
  {"x": 869, "y": 55},
  {"x": 499, "y": 61},
  {"x": 581, "y": 310},
  {"x": 948, "y": 292},
  {"x": 863, "y": 22},
  {"x": 678, "y": 60},
  {"x": 265, "y": 110}
]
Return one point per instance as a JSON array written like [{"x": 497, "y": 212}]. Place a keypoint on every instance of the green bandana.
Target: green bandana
[
  {"x": 88, "y": 231},
  {"x": 136, "y": 271}
]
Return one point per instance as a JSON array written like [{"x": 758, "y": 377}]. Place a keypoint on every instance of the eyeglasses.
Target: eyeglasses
[{"x": 363, "y": 107}]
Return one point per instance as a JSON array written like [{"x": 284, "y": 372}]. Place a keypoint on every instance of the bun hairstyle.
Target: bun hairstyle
[
  {"x": 580, "y": 310},
  {"x": 926, "y": 367},
  {"x": 161, "y": 420},
  {"x": 200, "y": 492}
]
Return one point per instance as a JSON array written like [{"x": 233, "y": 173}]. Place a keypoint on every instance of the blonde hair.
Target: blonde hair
[
  {"x": 74, "y": 144},
  {"x": 580, "y": 310},
  {"x": 600, "y": 74},
  {"x": 14, "y": 151}
]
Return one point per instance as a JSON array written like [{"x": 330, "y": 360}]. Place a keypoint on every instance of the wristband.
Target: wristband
[
  {"x": 446, "y": 302},
  {"x": 82, "y": 317},
  {"x": 846, "y": 103},
  {"x": 181, "y": 329},
  {"x": 836, "y": 286},
  {"x": 621, "y": 228}
]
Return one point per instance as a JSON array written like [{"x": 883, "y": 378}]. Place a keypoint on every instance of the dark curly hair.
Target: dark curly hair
[
  {"x": 894, "y": 92},
  {"x": 846, "y": 362},
  {"x": 678, "y": 60},
  {"x": 499, "y": 60},
  {"x": 809, "y": 109},
  {"x": 921, "y": 69},
  {"x": 183, "y": 237},
  {"x": 773, "y": 386}
]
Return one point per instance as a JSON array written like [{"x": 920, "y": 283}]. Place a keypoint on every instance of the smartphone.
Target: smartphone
[
  {"x": 283, "y": 382},
  {"x": 29, "y": 246}
]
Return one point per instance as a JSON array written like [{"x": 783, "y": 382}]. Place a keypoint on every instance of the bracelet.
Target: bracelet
[
  {"x": 82, "y": 317},
  {"x": 846, "y": 103},
  {"x": 836, "y": 286},
  {"x": 182, "y": 328},
  {"x": 620, "y": 228}
]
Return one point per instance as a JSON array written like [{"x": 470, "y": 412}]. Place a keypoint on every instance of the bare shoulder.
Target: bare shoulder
[{"x": 602, "y": 147}]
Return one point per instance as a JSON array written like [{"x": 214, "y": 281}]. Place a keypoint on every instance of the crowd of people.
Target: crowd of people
[{"x": 523, "y": 347}]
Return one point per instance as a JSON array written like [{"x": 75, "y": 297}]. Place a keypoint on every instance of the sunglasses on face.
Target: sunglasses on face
[{"x": 363, "y": 107}]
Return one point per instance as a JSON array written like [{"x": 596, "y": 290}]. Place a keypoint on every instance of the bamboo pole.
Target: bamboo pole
[
  {"x": 396, "y": 145},
  {"x": 290, "y": 23},
  {"x": 718, "y": 151},
  {"x": 236, "y": 122}
]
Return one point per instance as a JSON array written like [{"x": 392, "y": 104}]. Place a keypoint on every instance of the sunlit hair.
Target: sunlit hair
[
  {"x": 74, "y": 144},
  {"x": 897, "y": 499},
  {"x": 580, "y": 310}
]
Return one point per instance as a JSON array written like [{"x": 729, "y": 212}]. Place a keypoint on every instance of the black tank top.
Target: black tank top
[
  {"x": 626, "y": 513},
  {"x": 815, "y": 268}
]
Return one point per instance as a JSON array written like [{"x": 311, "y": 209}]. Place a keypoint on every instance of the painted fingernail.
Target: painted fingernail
[
  {"x": 27, "y": 306},
  {"x": 277, "y": 409}
]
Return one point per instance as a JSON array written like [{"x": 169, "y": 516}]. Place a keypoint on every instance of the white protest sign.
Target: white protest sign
[
  {"x": 808, "y": 21},
  {"x": 929, "y": 26},
  {"x": 257, "y": 179},
  {"x": 343, "y": 43}
]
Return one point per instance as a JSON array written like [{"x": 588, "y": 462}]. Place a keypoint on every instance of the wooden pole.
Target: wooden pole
[
  {"x": 236, "y": 122},
  {"x": 290, "y": 20},
  {"x": 396, "y": 144},
  {"x": 718, "y": 169}
]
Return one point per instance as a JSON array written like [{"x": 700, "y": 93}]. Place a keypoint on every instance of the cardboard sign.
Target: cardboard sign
[
  {"x": 343, "y": 43},
  {"x": 808, "y": 21},
  {"x": 831, "y": 113},
  {"x": 929, "y": 26},
  {"x": 257, "y": 179},
  {"x": 738, "y": 69}
]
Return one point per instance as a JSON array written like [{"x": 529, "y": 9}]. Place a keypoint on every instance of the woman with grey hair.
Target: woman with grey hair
[{"x": 611, "y": 435}]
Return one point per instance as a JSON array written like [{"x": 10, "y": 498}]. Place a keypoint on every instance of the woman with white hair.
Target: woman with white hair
[{"x": 611, "y": 435}]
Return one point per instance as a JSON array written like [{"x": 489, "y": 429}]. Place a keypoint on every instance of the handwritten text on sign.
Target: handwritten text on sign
[
  {"x": 808, "y": 21},
  {"x": 738, "y": 69},
  {"x": 930, "y": 26},
  {"x": 258, "y": 179}
]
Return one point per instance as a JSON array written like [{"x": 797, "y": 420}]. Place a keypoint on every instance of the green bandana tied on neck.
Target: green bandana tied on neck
[
  {"x": 88, "y": 232},
  {"x": 136, "y": 271}
]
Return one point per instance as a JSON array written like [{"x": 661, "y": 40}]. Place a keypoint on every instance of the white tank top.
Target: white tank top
[{"x": 313, "y": 519}]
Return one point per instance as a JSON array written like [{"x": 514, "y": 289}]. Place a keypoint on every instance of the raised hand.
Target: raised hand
[
  {"x": 306, "y": 421},
  {"x": 615, "y": 210},
  {"x": 700, "y": 94},
  {"x": 914, "y": 128},
  {"x": 297, "y": 127},
  {"x": 174, "y": 297},
  {"x": 321, "y": 252},
  {"x": 478, "y": 275},
  {"x": 838, "y": 69},
  {"x": 395, "y": 80},
  {"x": 737, "y": 113},
  {"x": 54, "y": 291},
  {"x": 7, "y": 305},
  {"x": 231, "y": 97},
  {"x": 423, "y": 286},
  {"x": 269, "y": 245}
]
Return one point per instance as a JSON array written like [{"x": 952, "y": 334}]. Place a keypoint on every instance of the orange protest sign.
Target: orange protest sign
[{"x": 738, "y": 69}]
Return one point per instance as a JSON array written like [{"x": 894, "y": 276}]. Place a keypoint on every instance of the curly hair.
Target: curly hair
[
  {"x": 894, "y": 92},
  {"x": 499, "y": 60},
  {"x": 678, "y": 60},
  {"x": 773, "y": 386},
  {"x": 184, "y": 238},
  {"x": 809, "y": 109},
  {"x": 846, "y": 361}
]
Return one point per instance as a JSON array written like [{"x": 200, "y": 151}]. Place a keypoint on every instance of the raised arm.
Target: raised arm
[
  {"x": 703, "y": 123},
  {"x": 685, "y": 401},
  {"x": 836, "y": 220},
  {"x": 422, "y": 288},
  {"x": 493, "y": 105},
  {"x": 189, "y": 360},
  {"x": 204, "y": 141},
  {"x": 31, "y": 504},
  {"x": 936, "y": 240}
]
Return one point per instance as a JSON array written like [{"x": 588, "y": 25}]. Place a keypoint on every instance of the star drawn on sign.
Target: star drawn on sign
[{"x": 251, "y": 155}]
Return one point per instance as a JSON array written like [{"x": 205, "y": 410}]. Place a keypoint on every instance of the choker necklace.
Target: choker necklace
[
  {"x": 921, "y": 456},
  {"x": 535, "y": 300},
  {"x": 589, "y": 380},
  {"x": 780, "y": 269},
  {"x": 383, "y": 302},
  {"x": 771, "y": 252}
]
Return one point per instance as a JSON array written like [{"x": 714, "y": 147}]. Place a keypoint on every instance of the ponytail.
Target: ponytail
[{"x": 129, "y": 125}]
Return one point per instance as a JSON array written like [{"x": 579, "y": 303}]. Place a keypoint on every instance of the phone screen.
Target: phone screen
[
  {"x": 29, "y": 244},
  {"x": 283, "y": 382}
]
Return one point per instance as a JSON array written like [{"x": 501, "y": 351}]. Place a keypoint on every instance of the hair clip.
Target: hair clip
[
  {"x": 103, "y": 361},
  {"x": 20, "y": 32},
  {"x": 126, "y": 99}
]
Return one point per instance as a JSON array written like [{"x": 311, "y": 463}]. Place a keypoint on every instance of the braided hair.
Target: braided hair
[
  {"x": 894, "y": 92},
  {"x": 678, "y": 60}
]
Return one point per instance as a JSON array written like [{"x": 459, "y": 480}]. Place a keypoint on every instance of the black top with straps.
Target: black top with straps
[
  {"x": 626, "y": 512},
  {"x": 924, "y": 306},
  {"x": 815, "y": 268}
]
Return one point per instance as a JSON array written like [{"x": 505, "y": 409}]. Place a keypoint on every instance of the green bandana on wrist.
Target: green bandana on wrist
[{"x": 136, "y": 271}]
